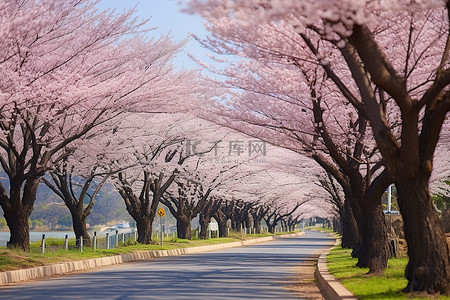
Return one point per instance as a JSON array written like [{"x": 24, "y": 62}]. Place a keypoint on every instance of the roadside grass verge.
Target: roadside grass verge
[
  {"x": 281, "y": 233},
  {"x": 320, "y": 228},
  {"x": 342, "y": 266},
  {"x": 15, "y": 259}
]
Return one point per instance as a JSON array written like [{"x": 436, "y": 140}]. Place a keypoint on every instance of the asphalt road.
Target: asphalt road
[{"x": 261, "y": 271}]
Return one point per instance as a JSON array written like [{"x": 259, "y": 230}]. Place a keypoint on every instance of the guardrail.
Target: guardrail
[{"x": 109, "y": 241}]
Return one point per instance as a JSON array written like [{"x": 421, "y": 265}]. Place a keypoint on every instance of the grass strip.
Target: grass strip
[
  {"x": 388, "y": 286},
  {"x": 320, "y": 228}
]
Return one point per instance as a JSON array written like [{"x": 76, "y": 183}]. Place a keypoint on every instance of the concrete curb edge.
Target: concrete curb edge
[
  {"x": 15, "y": 276},
  {"x": 328, "y": 284}
]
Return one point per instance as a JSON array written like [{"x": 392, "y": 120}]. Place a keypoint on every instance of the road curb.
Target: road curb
[
  {"x": 10, "y": 277},
  {"x": 328, "y": 284}
]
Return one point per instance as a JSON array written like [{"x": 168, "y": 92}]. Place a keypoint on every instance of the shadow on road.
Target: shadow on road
[{"x": 251, "y": 272}]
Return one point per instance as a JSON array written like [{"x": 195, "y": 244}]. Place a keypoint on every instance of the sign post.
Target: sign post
[{"x": 161, "y": 214}]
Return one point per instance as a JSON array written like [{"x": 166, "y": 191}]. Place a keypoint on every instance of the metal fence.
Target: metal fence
[{"x": 108, "y": 241}]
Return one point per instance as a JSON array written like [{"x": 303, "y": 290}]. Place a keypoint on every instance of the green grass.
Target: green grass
[
  {"x": 363, "y": 286},
  {"x": 320, "y": 228},
  {"x": 282, "y": 233},
  {"x": 14, "y": 259}
]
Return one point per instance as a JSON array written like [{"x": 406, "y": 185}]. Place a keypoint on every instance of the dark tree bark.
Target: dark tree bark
[
  {"x": 65, "y": 187},
  {"x": 258, "y": 214},
  {"x": 374, "y": 242},
  {"x": 270, "y": 219},
  {"x": 247, "y": 221},
  {"x": 408, "y": 158},
  {"x": 346, "y": 169},
  {"x": 348, "y": 227},
  {"x": 283, "y": 222},
  {"x": 184, "y": 230},
  {"x": 222, "y": 218},
  {"x": 203, "y": 220},
  {"x": 17, "y": 209},
  {"x": 237, "y": 218},
  {"x": 273, "y": 217},
  {"x": 25, "y": 163},
  {"x": 186, "y": 206},
  {"x": 428, "y": 267},
  {"x": 337, "y": 225},
  {"x": 350, "y": 233},
  {"x": 19, "y": 230},
  {"x": 373, "y": 235},
  {"x": 79, "y": 228},
  {"x": 240, "y": 213},
  {"x": 373, "y": 248},
  {"x": 237, "y": 224},
  {"x": 271, "y": 227},
  {"x": 208, "y": 211},
  {"x": 257, "y": 224},
  {"x": 144, "y": 228},
  {"x": 291, "y": 222},
  {"x": 143, "y": 208},
  {"x": 355, "y": 188}
]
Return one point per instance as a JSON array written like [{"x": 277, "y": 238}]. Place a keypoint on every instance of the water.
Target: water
[{"x": 37, "y": 235}]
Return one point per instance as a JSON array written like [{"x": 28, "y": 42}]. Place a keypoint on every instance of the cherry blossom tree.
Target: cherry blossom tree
[
  {"x": 90, "y": 162},
  {"x": 186, "y": 204},
  {"x": 163, "y": 153},
  {"x": 274, "y": 187},
  {"x": 304, "y": 115},
  {"x": 155, "y": 150},
  {"x": 346, "y": 221},
  {"x": 258, "y": 213},
  {"x": 389, "y": 60},
  {"x": 285, "y": 197},
  {"x": 142, "y": 207},
  {"x": 261, "y": 183},
  {"x": 74, "y": 191},
  {"x": 207, "y": 213},
  {"x": 203, "y": 173},
  {"x": 310, "y": 124},
  {"x": 222, "y": 215},
  {"x": 66, "y": 69}
]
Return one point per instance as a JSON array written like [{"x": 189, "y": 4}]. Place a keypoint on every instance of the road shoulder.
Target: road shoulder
[{"x": 330, "y": 287}]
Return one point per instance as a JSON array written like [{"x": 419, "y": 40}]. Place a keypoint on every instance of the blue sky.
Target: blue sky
[{"x": 166, "y": 15}]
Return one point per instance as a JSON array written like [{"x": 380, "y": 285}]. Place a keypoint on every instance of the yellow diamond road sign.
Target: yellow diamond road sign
[{"x": 161, "y": 212}]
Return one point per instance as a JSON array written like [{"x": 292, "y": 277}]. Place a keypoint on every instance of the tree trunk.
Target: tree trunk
[
  {"x": 428, "y": 268},
  {"x": 144, "y": 230},
  {"x": 283, "y": 225},
  {"x": 233, "y": 224},
  {"x": 238, "y": 224},
  {"x": 79, "y": 228},
  {"x": 223, "y": 230},
  {"x": 17, "y": 222},
  {"x": 257, "y": 225},
  {"x": 374, "y": 243},
  {"x": 337, "y": 226},
  {"x": 204, "y": 222},
  {"x": 17, "y": 209},
  {"x": 350, "y": 232},
  {"x": 221, "y": 219},
  {"x": 246, "y": 220},
  {"x": 271, "y": 227},
  {"x": 372, "y": 250},
  {"x": 184, "y": 228}
]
